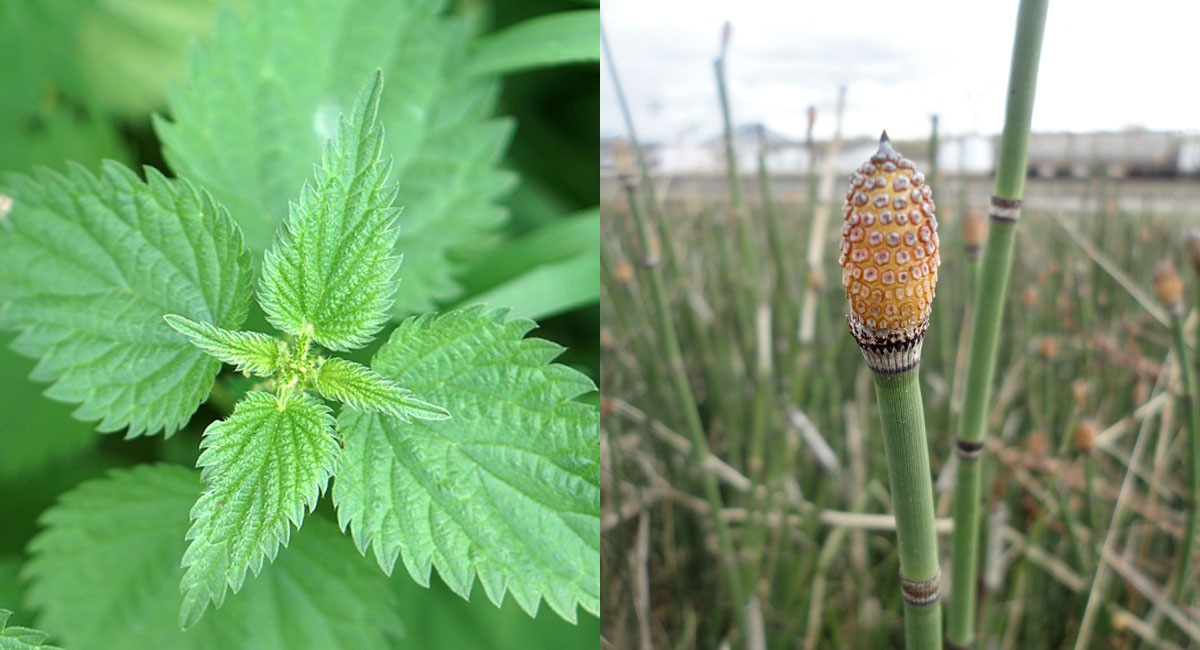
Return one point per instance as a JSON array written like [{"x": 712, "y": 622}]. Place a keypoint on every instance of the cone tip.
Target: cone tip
[{"x": 885, "y": 148}]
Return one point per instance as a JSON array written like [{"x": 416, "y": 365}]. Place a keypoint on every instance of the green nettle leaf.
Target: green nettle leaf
[
  {"x": 263, "y": 469},
  {"x": 507, "y": 489},
  {"x": 263, "y": 97},
  {"x": 104, "y": 573},
  {"x": 329, "y": 274},
  {"x": 20, "y": 638},
  {"x": 251, "y": 352},
  {"x": 91, "y": 264},
  {"x": 365, "y": 389}
]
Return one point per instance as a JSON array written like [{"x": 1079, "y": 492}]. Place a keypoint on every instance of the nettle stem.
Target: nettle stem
[{"x": 989, "y": 310}]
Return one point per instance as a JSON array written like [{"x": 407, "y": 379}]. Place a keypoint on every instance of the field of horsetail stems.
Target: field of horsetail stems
[{"x": 769, "y": 447}]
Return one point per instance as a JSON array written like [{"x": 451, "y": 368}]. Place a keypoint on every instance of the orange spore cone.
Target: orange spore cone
[{"x": 889, "y": 249}]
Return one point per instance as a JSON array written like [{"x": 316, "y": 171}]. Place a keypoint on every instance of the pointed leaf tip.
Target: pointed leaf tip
[
  {"x": 190, "y": 613},
  {"x": 247, "y": 351},
  {"x": 371, "y": 95},
  {"x": 341, "y": 233}
]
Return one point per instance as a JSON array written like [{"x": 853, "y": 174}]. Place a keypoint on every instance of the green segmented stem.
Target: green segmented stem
[
  {"x": 745, "y": 283},
  {"x": 673, "y": 356},
  {"x": 643, "y": 166},
  {"x": 1193, "y": 422},
  {"x": 900, "y": 408},
  {"x": 989, "y": 310}
]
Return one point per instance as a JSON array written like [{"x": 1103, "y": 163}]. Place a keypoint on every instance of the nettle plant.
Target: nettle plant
[{"x": 461, "y": 447}]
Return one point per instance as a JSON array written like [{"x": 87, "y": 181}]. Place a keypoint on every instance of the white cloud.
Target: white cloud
[{"x": 1101, "y": 69}]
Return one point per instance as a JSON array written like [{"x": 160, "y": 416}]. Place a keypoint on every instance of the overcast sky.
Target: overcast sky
[{"x": 1104, "y": 66}]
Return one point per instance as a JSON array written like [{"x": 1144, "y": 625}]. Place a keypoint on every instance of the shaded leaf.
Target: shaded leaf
[
  {"x": 35, "y": 430},
  {"x": 127, "y": 50},
  {"x": 550, "y": 289},
  {"x": 104, "y": 573},
  {"x": 554, "y": 39}
]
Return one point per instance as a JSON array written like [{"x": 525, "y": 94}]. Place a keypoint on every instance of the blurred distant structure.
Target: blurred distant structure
[{"x": 1132, "y": 152}]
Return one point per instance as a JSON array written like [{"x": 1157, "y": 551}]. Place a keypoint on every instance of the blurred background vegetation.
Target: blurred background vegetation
[
  {"x": 1087, "y": 463},
  {"x": 82, "y": 79}
]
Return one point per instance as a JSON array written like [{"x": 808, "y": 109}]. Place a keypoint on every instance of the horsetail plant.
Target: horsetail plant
[
  {"x": 745, "y": 290},
  {"x": 1192, "y": 251},
  {"x": 687, "y": 402},
  {"x": 989, "y": 308},
  {"x": 1168, "y": 287},
  {"x": 889, "y": 259},
  {"x": 816, "y": 234}
]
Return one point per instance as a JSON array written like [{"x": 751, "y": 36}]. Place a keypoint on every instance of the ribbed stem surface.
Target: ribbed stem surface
[
  {"x": 989, "y": 310},
  {"x": 985, "y": 333},
  {"x": 901, "y": 411},
  {"x": 1018, "y": 112}
]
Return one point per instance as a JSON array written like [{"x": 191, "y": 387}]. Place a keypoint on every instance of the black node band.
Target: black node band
[
  {"x": 1006, "y": 210},
  {"x": 968, "y": 450},
  {"x": 925, "y": 592}
]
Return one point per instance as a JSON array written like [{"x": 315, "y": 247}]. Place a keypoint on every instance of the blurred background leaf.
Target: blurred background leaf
[
  {"x": 129, "y": 49},
  {"x": 437, "y": 619},
  {"x": 34, "y": 430},
  {"x": 565, "y": 37}
]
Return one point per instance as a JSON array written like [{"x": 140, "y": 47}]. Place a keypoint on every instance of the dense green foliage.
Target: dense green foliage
[
  {"x": 128, "y": 293},
  {"x": 271, "y": 72}
]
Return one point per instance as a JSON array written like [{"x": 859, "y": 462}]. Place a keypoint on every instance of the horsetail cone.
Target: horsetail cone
[
  {"x": 1191, "y": 245},
  {"x": 1168, "y": 287},
  {"x": 889, "y": 259}
]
